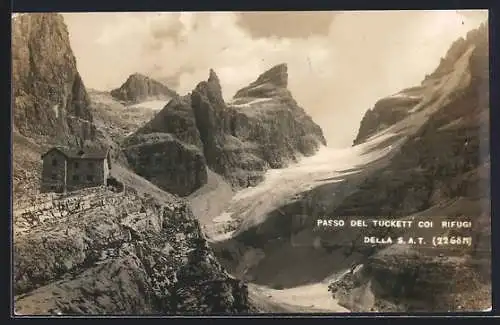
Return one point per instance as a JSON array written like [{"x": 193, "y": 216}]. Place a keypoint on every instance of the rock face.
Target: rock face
[
  {"x": 138, "y": 88},
  {"x": 263, "y": 127},
  {"x": 100, "y": 252},
  {"x": 49, "y": 97}
]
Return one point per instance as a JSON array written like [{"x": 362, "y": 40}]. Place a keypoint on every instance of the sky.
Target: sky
[{"x": 339, "y": 63}]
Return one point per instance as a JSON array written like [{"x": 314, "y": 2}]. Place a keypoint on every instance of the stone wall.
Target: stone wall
[{"x": 53, "y": 207}]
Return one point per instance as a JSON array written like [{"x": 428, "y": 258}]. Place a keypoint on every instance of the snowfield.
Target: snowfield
[{"x": 329, "y": 165}]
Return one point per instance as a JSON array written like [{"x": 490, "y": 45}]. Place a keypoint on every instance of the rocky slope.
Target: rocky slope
[
  {"x": 116, "y": 119},
  {"x": 139, "y": 88},
  {"x": 242, "y": 139},
  {"x": 435, "y": 162},
  {"x": 102, "y": 252}
]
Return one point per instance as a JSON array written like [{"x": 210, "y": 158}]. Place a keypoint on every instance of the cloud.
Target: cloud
[
  {"x": 287, "y": 24},
  {"x": 215, "y": 40}
]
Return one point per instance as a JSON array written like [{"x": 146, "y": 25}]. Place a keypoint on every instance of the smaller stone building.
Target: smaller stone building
[{"x": 69, "y": 169}]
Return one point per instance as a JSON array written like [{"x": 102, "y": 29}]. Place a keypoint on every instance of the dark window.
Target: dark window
[
  {"x": 90, "y": 178},
  {"x": 54, "y": 176},
  {"x": 75, "y": 177},
  {"x": 54, "y": 162},
  {"x": 76, "y": 164}
]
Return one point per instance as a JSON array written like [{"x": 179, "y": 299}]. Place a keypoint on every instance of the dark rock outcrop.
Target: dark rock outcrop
[
  {"x": 398, "y": 280},
  {"x": 49, "y": 98},
  {"x": 118, "y": 253},
  {"x": 225, "y": 153},
  {"x": 263, "y": 127},
  {"x": 176, "y": 118},
  {"x": 172, "y": 165},
  {"x": 138, "y": 88}
]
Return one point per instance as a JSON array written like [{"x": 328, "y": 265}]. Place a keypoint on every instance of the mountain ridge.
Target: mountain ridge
[{"x": 236, "y": 143}]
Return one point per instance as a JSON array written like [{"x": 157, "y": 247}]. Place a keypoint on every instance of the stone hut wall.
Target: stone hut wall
[{"x": 84, "y": 173}]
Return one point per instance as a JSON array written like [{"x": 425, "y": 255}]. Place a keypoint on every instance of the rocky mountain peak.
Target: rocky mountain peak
[
  {"x": 212, "y": 77},
  {"x": 277, "y": 75},
  {"x": 137, "y": 77},
  {"x": 271, "y": 83},
  {"x": 139, "y": 87}
]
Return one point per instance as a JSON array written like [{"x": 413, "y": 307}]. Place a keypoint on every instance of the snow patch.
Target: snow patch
[
  {"x": 402, "y": 95},
  {"x": 259, "y": 86},
  {"x": 252, "y": 102},
  {"x": 152, "y": 104}
]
